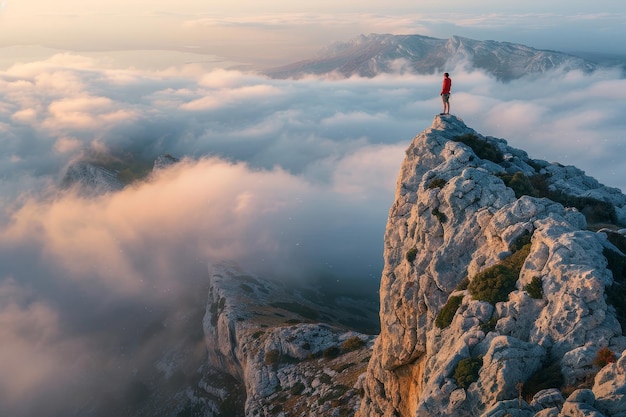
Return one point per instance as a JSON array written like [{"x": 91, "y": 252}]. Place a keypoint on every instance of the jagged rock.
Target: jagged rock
[
  {"x": 580, "y": 404},
  {"x": 610, "y": 388},
  {"x": 548, "y": 399},
  {"x": 507, "y": 362},
  {"x": 91, "y": 178},
  {"x": 573, "y": 181},
  {"x": 453, "y": 220},
  {"x": 268, "y": 337},
  {"x": 163, "y": 161}
]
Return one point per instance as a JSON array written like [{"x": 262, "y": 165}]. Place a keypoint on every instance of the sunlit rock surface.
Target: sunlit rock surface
[{"x": 453, "y": 218}]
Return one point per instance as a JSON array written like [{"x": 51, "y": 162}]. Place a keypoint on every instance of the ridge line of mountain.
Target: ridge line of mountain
[{"x": 375, "y": 54}]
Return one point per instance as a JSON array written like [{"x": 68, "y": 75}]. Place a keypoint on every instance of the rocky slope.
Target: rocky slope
[
  {"x": 290, "y": 347},
  {"x": 100, "y": 174},
  {"x": 502, "y": 292},
  {"x": 91, "y": 178},
  {"x": 370, "y": 55}
]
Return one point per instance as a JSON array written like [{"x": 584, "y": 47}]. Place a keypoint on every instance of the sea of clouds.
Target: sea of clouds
[{"x": 291, "y": 179}]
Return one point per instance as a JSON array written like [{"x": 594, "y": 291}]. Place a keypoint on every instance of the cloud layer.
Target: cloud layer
[{"x": 288, "y": 178}]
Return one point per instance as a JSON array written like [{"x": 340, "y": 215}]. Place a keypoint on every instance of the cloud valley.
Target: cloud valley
[{"x": 292, "y": 179}]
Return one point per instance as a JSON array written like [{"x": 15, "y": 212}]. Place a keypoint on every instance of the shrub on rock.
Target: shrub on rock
[
  {"x": 447, "y": 312},
  {"x": 603, "y": 357},
  {"x": 534, "y": 288},
  {"x": 467, "y": 371}
]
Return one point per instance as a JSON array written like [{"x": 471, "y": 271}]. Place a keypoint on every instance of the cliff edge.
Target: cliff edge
[
  {"x": 503, "y": 286},
  {"x": 292, "y": 349}
]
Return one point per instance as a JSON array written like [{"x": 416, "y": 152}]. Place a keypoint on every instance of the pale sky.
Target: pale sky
[{"x": 280, "y": 31}]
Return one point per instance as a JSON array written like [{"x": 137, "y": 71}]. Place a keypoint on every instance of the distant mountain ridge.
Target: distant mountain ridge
[{"x": 374, "y": 54}]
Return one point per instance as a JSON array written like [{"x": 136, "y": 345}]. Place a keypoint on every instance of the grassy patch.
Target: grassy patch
[
  {"x": 482, "y": 148},
  {"x": 439, "y": 215},
  {"x": 463, "y": 284},
  {"x": 331, "y": 352},
  {"x": 467, "y": 370},
  {"x": 496, "y": 282},
  {"x": 534, "y": 186},
  {"x": 534, "y": 288},
  {"x": 411, "y": 254},
  {"x": 595, "y": 211},
  {"x": 437, "y": 183},
  {"x": 520, "y": 184},
  {"x": 447, "y": 312},
  {"x": 274, "y": 357},
  {"x": 352, "y": 343},
  {"x": 489, "y": 325},
  {"x": 493, "y": 284}
]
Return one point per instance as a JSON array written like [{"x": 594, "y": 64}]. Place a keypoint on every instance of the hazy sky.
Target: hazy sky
[
  {"x": 280, "y": 31},
  {"x": 293, "y": 178}
]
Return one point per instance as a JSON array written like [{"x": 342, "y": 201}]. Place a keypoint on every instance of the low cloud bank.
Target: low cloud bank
[{"x": 292, "y": 179}]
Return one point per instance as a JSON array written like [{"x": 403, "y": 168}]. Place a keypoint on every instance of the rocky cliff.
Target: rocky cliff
[
  {"x": 502, "y": 291},
  {"x": 503, "y": 294},
  {"x": 290, "y": 347}
]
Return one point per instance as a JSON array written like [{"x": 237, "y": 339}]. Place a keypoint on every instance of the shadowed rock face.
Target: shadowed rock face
[
  {"x": 456, "y": 231},
  {"x": 291, "y": 347},
  {"x": 370, "y": 55},
  {"x": 91, "y": 178}
]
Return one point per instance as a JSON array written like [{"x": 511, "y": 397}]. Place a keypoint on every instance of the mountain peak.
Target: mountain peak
[
  {"x": 502, "y": 290},
  {"x": 373, "y": 54}
]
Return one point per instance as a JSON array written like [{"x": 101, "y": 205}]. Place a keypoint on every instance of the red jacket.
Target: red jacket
[{"x": 447, "y": 83}]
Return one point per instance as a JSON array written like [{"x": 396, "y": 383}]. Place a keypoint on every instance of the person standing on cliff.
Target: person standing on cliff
[{"x": 445, "y": 93}]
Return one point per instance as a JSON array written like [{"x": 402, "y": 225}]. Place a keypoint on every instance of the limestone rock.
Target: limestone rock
[
  {"x": 548, "y": 399},
  {"x": 268, "y": 337},
  {"x": 580, "y": 404},
  {"x": 455, "y": 219},
  {"x": 610, "y": 388}
]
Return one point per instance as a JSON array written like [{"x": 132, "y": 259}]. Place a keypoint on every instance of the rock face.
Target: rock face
[
  {"x": 91, "y": 178},
  {"x": 164, "y": 161},
  {"x": 94, "y": 177},
  {"x": 494, "y": 290},
  {"x": 286, "y": 345}
]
